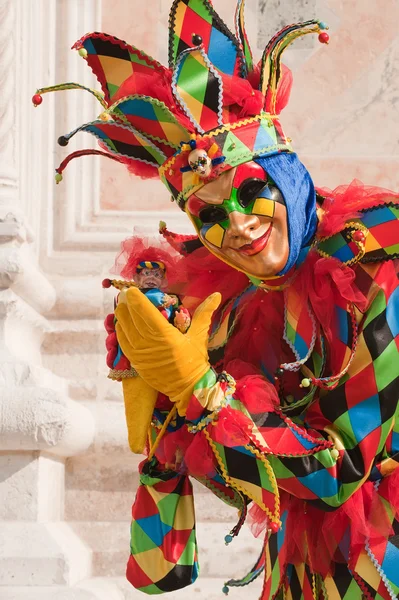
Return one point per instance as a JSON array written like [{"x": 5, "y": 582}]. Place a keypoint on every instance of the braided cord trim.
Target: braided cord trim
[
  {"x": 272, "y": 478},
  {"x": 230, "y": 481},
  {"x": 360, "y": 244}
]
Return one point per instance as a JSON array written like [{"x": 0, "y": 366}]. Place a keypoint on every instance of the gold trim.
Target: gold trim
[
  {"x": 360, "y": 245},
  {"x": 227, "y": 127},
  {"x": 235, "y": 485},
  {"x": 117, "y": 375}
]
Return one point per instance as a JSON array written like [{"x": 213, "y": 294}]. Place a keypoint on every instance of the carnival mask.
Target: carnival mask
[{"x": 242, "y": 219}]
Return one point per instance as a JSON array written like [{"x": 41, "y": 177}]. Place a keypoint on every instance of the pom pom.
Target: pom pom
[
  {"x": 105, "y": 116},
  {"x": 106, "y": 283},
  {"x": 324, "y": 38},
  {"x": 274, "y": 527},
  {"x": 305, "y": 383},
  {"x": 37, "y": 99},
  {"x": 162, "y": 226},
  {"x": 358, "y": 236},
  {"x": 196, "y": 39},
  {"x": 58, "y": 178},
  {"x": 82, "y": 52},
  {"x": 62, "y": 141}
]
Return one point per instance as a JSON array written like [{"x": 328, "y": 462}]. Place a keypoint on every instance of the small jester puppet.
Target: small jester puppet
[
  {"x": 284, "y": 390},
  {"x": 148, "y": 266}
]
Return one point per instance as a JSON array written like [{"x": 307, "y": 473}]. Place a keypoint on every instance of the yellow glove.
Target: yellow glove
[
  {"x": 140, "y": 399},
  {"x": 166, "y": 359}
]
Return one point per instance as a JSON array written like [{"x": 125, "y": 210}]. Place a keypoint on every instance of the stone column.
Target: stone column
[{"x": 39, "y": 425}]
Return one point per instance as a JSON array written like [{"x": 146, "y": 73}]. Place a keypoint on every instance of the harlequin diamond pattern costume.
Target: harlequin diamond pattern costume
[{"x": 287, "y": 404}]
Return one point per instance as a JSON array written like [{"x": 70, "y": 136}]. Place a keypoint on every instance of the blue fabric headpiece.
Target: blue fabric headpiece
[{"x": 296, "y": 186}]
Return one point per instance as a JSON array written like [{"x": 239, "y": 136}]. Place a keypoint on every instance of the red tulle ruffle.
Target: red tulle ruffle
[
  {"x": 345, "y": 202},
  {"x": 208, "y": 274},
  {"x": 137, "y": 249}
]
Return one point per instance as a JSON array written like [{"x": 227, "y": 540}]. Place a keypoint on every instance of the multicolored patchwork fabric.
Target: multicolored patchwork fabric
[
  {"x": 241, "y": 34},
  {"x": 300, "y": 328},
  {"x": 362, "y": 580},
  {"x": 380, "y": 230},
  {"x": 382, "y": 239},
  {"x": 125, "y": 141},
  {"x": 335, "y": 463},
  {"x": 163, "y": 542},
  {"x": 152, "y": 118},
  {"x": 237, "y": 142},
  {"x": 258, "y": 483},
  {"x": 197, "y": 86},
  {"x": 210, "y": 99},
  {"x": 113, "y": 61},
  {"x": 190, "y": 18}
]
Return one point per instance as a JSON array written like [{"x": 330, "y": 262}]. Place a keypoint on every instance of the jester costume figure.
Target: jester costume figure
[
  {"x": 152, "y": 270},
  {"x": 282, "y": 397}
]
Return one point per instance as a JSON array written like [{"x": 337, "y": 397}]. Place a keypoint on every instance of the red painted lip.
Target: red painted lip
[{"x": 257, "y": 245}]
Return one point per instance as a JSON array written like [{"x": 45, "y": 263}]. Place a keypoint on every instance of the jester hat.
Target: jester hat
[{"x": 210, "y": 111}]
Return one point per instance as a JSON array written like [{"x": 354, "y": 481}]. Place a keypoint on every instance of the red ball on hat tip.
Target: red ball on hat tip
[
  {"x": 106, "y": 283},
  {"x": 324, "y": 38},
  {"x": 37, "y": 99}
]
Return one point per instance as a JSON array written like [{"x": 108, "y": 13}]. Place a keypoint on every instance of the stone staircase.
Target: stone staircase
[{"x": 100, "y": 484}]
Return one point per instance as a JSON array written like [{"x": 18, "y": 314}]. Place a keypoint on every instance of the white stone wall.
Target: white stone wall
[{"x": 67, "y": 478}]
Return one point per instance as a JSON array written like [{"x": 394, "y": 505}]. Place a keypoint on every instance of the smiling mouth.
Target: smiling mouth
[
  {"x": 151, "y": 283},
  {"x": 257, "y": 245}
]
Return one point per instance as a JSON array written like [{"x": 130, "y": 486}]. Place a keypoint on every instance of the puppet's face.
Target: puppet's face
[
  {"x": 241, "y": 218},
  {"x": 151, "y": 278}
]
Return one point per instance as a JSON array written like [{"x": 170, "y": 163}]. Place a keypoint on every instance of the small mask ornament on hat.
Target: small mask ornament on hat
[{"x": 200, "y": 162}]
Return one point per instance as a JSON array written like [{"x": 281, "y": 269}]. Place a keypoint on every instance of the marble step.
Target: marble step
[
  {"x": 109, "y": 543},
  {"x": 205, "y": 588},
  {"x": 107, "y": 504},
  {"x": 75, "y": 349},
  {"x": 102, "y": 487},
  {"x": 117, "y": 588}
]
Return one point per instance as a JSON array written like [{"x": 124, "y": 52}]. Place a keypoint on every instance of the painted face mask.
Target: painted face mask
[{"x": 241, "y": 218}]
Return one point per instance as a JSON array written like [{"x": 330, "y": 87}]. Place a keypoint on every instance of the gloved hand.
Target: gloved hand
[{"x": 166, "y": 359}]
